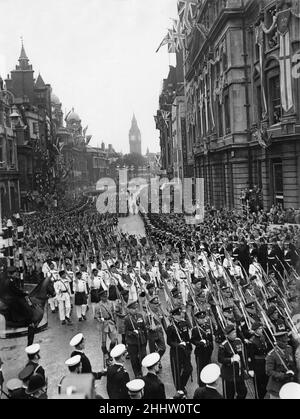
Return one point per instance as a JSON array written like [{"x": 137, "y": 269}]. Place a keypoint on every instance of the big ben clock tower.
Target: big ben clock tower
[{"x": 135, "y": 142}]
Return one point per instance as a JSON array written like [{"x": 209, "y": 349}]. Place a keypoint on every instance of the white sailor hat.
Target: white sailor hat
[
  {"x": 33, "y": 349},
  {"x": 118, "y": 350},
  {"x": 135, "y": 386},
  {"x": 72, "y": 362},
  {"x": 150, "y": 360},
  {"x": 290, "y": 391},
  {"x": 76, "y": 340},
  {"x": 210, "y": 373},
  {"x": 14, "y": 384}
]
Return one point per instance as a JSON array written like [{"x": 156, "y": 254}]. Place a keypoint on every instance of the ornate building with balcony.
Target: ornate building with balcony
[{"x": 243, "y": 103}]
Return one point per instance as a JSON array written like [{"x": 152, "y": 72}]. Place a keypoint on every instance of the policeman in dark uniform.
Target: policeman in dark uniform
[
  {"x": 257, "y": 351},
  {"x": 180, "y": 349},
  {"x": 154, "y": 388},
  {"x": 136, "y": 337},
  {"x": 78, "y": 343},
  {"x": 202, "y": 338},
  {"x": 117, "y": 376},
  {"x": 231, "y": 356}
]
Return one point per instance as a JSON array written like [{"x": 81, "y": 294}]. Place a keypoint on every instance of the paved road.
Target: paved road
[{"x": 55, "y": 347}]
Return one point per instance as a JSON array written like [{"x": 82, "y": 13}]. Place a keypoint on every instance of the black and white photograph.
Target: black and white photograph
[{"x": 149, "y": 202}]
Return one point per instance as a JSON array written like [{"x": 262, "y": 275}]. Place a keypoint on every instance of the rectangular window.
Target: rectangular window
[
  {"x": 278, "y": 182},
  {"x": 227, "y": 114},
  {"x": 10, "y": 152},
  {"x": 220, "y": 119},
  {"x": 275, "y": 97}
]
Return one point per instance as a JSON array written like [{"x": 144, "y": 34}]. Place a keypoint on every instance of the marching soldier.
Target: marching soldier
[
  {"x": 95, "y": 288},
  {"x": 180, "y": 350},
  {"x": 105, "y": 316},
  {"x": 202, "y": 338},
  {"x": 63, "y": 295},
  {"x": 154, "y": 388},
  {"x": 81, "y": 292},
  {"x": 136, "y": 337},
  {"x": 156, "y": 328},
  {"x": 117, "y": 376},
  {"x": 257, "y": 352},
  {"x": 280, "y": 365},
  {"x": 231, "y": 356}
]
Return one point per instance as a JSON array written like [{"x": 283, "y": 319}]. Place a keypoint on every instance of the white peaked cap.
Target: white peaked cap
[
  {"x": 290, "y": 391},
  {"x": 210, "y": 373},
  {"x": 118, "y": 350},
  {"x": 76, "y": 339},
  {"x": 150, "y": 360},
  {"x": 33, "y": 349},
  {"x": 135, "y": 385},
  {"x": 75, "y": 360}
]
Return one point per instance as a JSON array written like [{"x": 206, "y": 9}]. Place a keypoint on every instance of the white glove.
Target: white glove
[
  {"x": 182, "y": 343},
  {"x": 102, "y": 319},
  {"x": 251, "y": 374},
  {"x": 290, "y": 372},
  {"x": 235, "y": 358},
  {"x": 136, "y": 332}
]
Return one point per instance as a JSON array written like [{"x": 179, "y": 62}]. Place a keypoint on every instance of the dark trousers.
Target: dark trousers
[
  {"x": 157, "y": 342},
  {"x": 181, "y": 367},
  {"x": 233, "y": 388},
  {"x": 137, "y": 353},
  {"x": 202, "y": 359},
  {"x": 261, "y": 381}
]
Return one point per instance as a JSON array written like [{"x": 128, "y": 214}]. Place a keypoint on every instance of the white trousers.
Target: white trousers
[
  {"x": 52, "y": 303},
  {"x": 64, "y": 308},
  {"x": 80, "y": 310}
]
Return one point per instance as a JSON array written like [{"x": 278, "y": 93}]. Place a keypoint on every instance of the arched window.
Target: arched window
[{"x": 272, "y": 71}]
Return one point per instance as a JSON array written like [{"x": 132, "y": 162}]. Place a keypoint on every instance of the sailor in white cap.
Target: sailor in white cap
[
  {"x": 154, "y": 388},
  {"x": 210, "y": 376},
  {"x": 136, "y": 389},
  {"x": 33, "y": 353},
  {"x": 78, "y": 342},
  {"x": 117, "y": 376},
  {"x": 290, "y": 391},
  {"x": 74, "y": 366}
]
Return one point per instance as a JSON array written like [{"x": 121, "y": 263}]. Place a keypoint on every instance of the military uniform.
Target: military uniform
[
  {"x": 202, "y": 338},
  {"x": 276, "y": 371},
  {"x": 233, "y": 372},
  {"x": 117, "y": 378},
  {"x": 257, "y": 352},
  {"x": 105, "y": 314},
  {"x": 156, "y": 331},
  {"x": 136, "y": 342},
  {"x": 180, "y": 355},
  {"x": 154, "y": 388}
]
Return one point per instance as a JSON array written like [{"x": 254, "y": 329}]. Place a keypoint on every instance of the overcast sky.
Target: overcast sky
[{"x": 98, "y": 55}]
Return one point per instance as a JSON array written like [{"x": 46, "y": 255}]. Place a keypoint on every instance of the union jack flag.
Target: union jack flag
[{"x": 168, "y": 40}]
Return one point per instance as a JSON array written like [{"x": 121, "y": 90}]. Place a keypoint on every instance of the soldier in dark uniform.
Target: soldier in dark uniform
[
  {"x": 202, "y": 338},
  {"x": 136, "y": 337},
  {"x": 280, "y": 365},
  {"x": 154, "y": 388},
  {"x": 117, "y": 376},
  {"x": 78, "y": 343},
  {"x": 180, "y": 349},
  {"x": 231, "y": 356},
  {"x": 156, "y": 328},
  {"x": 257, "y": 351}
]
